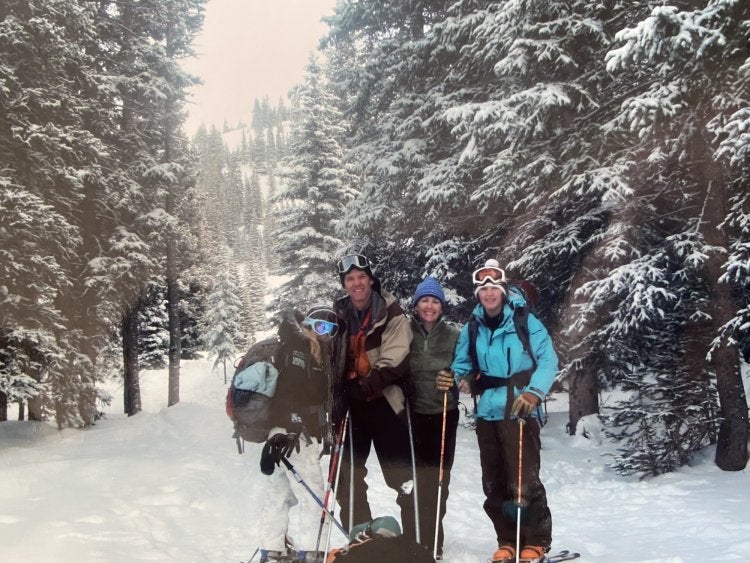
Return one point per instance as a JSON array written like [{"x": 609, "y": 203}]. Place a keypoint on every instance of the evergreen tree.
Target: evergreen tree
[
  {"x": 316, "y": 187},
  {"x": 153, "y": 335},
  {"x": 690, "y": 65},
  {"x": 191, "y": 311},
  {"x": 223, "y": 317},
  {"x": 504, "y": 129},
  {"x": 29, "y": 330},
  {"x": 53, "y": 160}
]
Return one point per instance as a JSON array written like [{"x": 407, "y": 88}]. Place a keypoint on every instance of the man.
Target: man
[
  {"x": 511, "y": 381},
  {"x": 370, "y": 361}
]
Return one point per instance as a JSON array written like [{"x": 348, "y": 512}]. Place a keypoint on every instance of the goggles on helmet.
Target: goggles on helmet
[
  {"x": 321, "y": 327},
  {"x": 352, "y": 261},
  {"x": 488, "y": 274},
  {"x": 322, "y": 313}
]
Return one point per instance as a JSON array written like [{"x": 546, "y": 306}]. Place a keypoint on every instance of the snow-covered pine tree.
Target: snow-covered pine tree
[
  {"x": 389, "y": 66},
  {"x": 35, "y": 240},
  {"x": 178, "y": 25},
  {"x": 213, "y": 165},
  {"x": 54, "y": 163},
  {"x": 85, "y": 92},
  {"x": 222, "y": 323},
  {"x": 254, "y": 266},
  {"x": 191, "y": 311},
  {"x": 150, "y": 88},
  {"x": 153, "y": 336},
  {"x": 689, "y": 67},
  {"x": 315, "y": 188},
  {"x": 569, "y": 171}
]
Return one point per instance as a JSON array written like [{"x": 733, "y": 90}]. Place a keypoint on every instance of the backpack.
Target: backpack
[
  {"x": 379, "y": 549},
  {"x": 249, "y": 397},
  {"x": 530, "y": 294},
  {"x": 380, "y": 540}
]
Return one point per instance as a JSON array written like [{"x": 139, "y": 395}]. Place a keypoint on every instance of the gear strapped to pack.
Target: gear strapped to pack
[{"x": 480, "y": 383}]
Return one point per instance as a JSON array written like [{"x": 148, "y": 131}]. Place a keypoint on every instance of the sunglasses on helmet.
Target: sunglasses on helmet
[
  {"x": 352, "y": 261},
  {"x": 321, "y": 327},
  {"x": 488, "y": 274}
]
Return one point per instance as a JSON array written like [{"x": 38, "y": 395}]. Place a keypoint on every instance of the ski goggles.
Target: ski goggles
[
  {"x": 350, "y": 261},
  {"x": 322, "y": 313},
  {"x": 488, "y": 274},
  {"x": 321, "y": 327}
]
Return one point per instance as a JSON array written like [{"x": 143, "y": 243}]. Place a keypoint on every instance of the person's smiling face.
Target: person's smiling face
[
  {"x": 358, "y": 286},
  {"x": 491, "y": 298},
  {"x": 428, "y": 310}
]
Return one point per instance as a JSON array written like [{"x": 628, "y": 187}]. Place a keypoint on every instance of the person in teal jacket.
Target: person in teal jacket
[{"x": 513, "y": 384}]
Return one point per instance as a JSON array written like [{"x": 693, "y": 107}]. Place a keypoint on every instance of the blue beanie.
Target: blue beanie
[{"x": 429, "y": 287}]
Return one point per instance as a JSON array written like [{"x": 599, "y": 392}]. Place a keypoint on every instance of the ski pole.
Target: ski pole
[
  {"x": 440, "y": 476},
  {"x": 351, "y": 477},
  {"x": 413, "y": 474},
  {"x": 301, "y": 481},
  {"x": 336, "y": 491},
  {"x": 331, "y": 472},
  {"x": 521, "y": 423}
]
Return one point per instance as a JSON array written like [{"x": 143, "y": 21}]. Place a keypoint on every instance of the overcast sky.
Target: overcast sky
[{"x": 249, "y": 49}]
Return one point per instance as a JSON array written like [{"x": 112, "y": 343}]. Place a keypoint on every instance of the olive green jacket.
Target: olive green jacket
[{"x": 430, "y": 352}]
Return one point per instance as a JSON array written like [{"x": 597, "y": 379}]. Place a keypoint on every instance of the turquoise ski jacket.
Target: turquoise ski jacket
[{"x": 500, "y": 353}]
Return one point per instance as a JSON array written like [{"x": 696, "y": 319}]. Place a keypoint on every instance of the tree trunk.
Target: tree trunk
[
  {"x": 175, "y": 334},
  {"x": 131, "y": 386},
  {"x": 21, "y": 410},
  {"x": 731, "y": 445},
  {"x": 35, "y": 408},
  {"x": 583, "y": 394},
  {"x": 576, "y": 347},
  {"x": 173, "y": 293},
  {"x": 4, "y": 405}
]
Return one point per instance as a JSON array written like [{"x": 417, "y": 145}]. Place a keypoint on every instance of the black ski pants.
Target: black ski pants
[
  {"x": 428, "y": 430},
  {"x": 498, "y": 455},
  {"x": 374, "y": 424}
]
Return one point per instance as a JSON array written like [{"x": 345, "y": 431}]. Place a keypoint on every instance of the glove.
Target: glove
[
  {"x": 277, "y": 446},
  {"x": 524, "y": 404},
  {"x": 445, "y": 379},
  {"x": 353, "y": 391},
  {"x": 371, "y": 384}
]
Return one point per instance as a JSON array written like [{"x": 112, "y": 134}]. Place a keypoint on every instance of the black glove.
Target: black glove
[
  {"x": 372, "y": 384},
  {"x": 353, "y": 391},
  {"x": 277, "y": 446}
]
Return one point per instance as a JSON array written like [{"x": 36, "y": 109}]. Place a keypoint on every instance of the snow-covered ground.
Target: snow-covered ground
[{"x": 169, "y": 485}]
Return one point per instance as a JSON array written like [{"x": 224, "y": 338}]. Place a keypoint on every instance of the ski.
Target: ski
[
  {"x": 290, "y": 556},
  {"x": 564, "y": 555}
]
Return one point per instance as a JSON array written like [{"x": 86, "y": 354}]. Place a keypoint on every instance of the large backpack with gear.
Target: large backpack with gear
[
  {"x": 249, "y": 397},
  {"x": 377, "y": 541}
]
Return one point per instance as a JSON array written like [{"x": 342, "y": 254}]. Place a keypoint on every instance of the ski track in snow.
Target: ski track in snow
[{"x": 168, "y": 485}]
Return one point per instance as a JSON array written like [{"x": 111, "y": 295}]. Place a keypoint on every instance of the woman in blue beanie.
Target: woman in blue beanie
[{"x": 432, "y": 347}]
